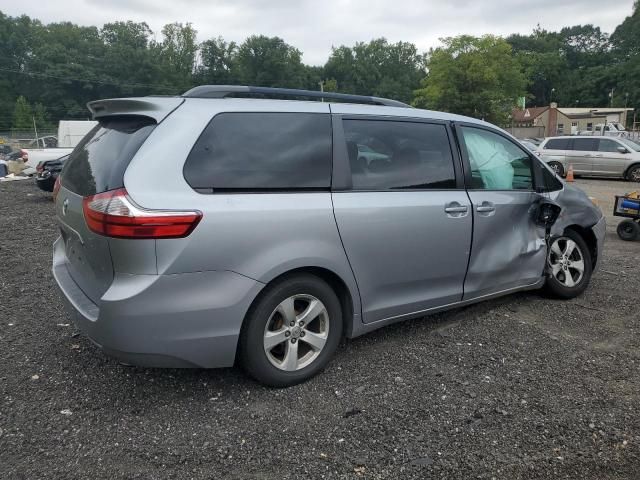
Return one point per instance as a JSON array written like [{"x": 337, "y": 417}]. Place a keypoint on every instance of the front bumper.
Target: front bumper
[
  {"x": 600, "y": 231},
  {"x": 180, "y": 320}
]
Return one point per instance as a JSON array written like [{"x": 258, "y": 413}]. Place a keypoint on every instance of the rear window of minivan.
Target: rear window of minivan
[
  {"x": 255, "y": 152},
  {"x": 99, "y": 161}
]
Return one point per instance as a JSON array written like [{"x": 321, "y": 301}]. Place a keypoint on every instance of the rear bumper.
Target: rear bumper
[
  {"x": 181, "y": 320},
  {"x": 600, "y": 231},
  {"x": 46, "y": 183}
]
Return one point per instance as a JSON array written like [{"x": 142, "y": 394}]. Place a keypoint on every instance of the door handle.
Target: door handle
[
  {"x": 461, "y": 209},
  {"x": 456, "y": 210},
  {"x": 600, "y": 155},
  {"x": 486, "y": 207}
]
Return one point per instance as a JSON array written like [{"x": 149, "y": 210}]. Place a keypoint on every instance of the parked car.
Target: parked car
[
  {"x": 34, "y": 156},
  {"x": 595, "y": 156},
  {"x": 532, "y": 147},
  {"x": 535, "y": 141},
  {"x": 47, "y": 173},
  {"x": 201, "y": 229},
  {"x": 4, "y": 151}
]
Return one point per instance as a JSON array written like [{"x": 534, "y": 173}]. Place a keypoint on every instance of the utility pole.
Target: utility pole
[
  {"x": 611, "y": 96},
  {"x": 321, "y": 83},
  {"x": 35, "y": 130}
]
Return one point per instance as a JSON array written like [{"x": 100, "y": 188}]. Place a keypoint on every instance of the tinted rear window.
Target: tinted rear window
[
  {"x": 585, "y": 144},
  {"x": 99, "y": 161},
  {"x": 262, "y": 152},
  {"x": 557, "y": 144},
  {"x": 389, "y": 155}
]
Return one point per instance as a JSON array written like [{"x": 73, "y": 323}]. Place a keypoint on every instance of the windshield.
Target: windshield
[{"x": 630, "y": 143}]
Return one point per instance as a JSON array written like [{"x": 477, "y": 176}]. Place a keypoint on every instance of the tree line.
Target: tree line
[{"x": 50, "y": 71}]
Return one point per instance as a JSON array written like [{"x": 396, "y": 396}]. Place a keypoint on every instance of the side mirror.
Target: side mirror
[
  {"x": 622, "y": 150},
  {"x": 547, "y": 213}
]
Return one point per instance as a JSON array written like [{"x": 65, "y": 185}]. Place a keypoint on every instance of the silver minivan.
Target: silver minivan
[
  {"x": 593, "y": 156},
  {"x": 226, "y": 225}
]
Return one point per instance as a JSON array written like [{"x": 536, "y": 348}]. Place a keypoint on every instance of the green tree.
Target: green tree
[
  {"x": 542, "y": 63},
  {"x": 269, "y": 62},
  {"x": 177, "y": 54},
  {"x": 472, "y": 76},
  {"x": 218, "y": 62},
  {"x": 626, "y": 37},
  {"x": 330, "y": 85},
  {"x": 41, "y": 117},
  {"x": 625, "y": 42},
  {"x": 129, "y": 67},
  {"x": 22, "y": 116},
  {"x": 377, "y": 68}
]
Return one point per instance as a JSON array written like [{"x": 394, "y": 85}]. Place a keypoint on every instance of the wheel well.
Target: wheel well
[
  {"x": 589, "y": 238},
  {"x": 335, "y": 282},
  {"x": 626, "y": 172}
]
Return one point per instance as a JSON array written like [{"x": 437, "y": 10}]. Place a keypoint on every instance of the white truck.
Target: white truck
[
  {"x": 613, "y": 129},
  {"x": 70, "y": 132}
]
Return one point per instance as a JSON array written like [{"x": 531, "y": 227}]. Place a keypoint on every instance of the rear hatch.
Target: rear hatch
[{"x": 97, "y": 165}]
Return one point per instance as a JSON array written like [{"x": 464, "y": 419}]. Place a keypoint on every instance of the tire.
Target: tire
[
  {"x": 557, "y": 166},
  {"x": 628, "y": 230},
  {"x": 268, "y": 344},
  {"x": 564, "y": 279},
  {"x": 633, "y": 174}
]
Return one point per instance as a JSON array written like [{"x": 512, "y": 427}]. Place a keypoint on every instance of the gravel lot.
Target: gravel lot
[{"x": 520, "y": 387}]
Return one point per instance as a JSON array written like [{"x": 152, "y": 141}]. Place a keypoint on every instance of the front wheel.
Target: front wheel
[
  {"x": 292, "y": 331},
  {"x": 633, "y": 175},
  {"x": 557, "y": 167},
  {"x": 569, "y": 265}
]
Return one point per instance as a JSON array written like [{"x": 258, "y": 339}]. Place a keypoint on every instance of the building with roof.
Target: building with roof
[{"x": 552, "y": 120}]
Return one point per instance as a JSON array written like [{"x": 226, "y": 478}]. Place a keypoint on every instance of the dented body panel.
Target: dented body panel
[{"x": 508, "y": 249}]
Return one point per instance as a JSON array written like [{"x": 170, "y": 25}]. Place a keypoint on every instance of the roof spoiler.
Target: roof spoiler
[{"x": 157, "y": 108}]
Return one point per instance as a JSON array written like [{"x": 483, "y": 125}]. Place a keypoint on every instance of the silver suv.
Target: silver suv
[
  {"x": 203, "y": 229},
  {"x": 593, "y": 156}
]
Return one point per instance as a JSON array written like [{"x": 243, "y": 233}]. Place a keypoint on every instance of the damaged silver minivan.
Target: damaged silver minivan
[{"x": 257, "y": 225}]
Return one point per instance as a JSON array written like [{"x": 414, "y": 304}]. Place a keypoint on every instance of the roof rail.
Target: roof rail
[{"x": 224, "y": 91}]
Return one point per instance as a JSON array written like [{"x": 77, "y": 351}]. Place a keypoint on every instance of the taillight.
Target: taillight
[
  {"x": 114, "y": 214},
  {"x": 56, "y": 187}
]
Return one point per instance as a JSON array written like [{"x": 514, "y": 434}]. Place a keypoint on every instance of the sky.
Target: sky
[{"x": 314, "y": 26}]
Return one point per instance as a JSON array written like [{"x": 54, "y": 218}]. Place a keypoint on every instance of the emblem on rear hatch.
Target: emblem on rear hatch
[{"x": 65, "y": 206}]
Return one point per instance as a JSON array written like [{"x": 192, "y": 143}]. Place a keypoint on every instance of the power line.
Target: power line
[{"x": 98, "y": 82}]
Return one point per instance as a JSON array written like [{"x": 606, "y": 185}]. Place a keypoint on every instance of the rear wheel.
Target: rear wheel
[
  {"x": 557, "y": 167},
  {"x": 628, "y": 230},
  {"x": 292, "y": 332},
  {"x": 569, "y": 265},
  {"x": 633, "y": 175}
]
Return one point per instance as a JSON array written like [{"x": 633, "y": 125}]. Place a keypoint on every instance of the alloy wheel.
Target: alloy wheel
[
  {"x": 566, "y": 261},
  {"x": 556, "y": 167},
  {"x": 296, "y": 332}
]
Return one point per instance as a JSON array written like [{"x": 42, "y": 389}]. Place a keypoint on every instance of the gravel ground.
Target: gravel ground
[{"x": 520, "y": 387}]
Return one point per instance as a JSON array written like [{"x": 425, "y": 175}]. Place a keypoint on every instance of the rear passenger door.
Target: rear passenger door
[
  {"x": 508, "y": 249},
  {"x": 582, "y": 155},
  {"x": 402, "y": 213},
  {"x": 608, "y": 161}
]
